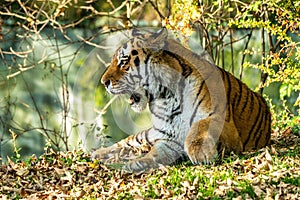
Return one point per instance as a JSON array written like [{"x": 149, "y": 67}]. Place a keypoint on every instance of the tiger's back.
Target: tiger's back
[
  {"x": 247, "y": 109},
  {"x": 197, "y": 108}
]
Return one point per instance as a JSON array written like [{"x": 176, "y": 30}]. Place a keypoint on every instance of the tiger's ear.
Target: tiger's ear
[
  {"x": 159, "y": 38},
  {"x": 135, "y": 32}
]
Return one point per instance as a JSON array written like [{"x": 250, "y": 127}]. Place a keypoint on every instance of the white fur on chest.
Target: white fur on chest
[{"x": 177, "y": 125}]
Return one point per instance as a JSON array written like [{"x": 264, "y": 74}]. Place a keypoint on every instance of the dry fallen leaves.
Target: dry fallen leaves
[{"x": 270, "y": 173}]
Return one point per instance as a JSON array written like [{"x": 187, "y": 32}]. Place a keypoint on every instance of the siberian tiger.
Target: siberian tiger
[{"x": 197, "y": 108}]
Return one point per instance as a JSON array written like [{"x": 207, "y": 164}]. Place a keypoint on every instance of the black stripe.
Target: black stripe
[
  {"x": 160, "y": 88},
  {"x": 139, "y": 140},
  {"x": 186, "y": 70},
  {"x": 137, "y": 76},
  {"x": 136, "y": 61},
  {"x": 170, "y": 147},
  {"x": 129, "y": 145},
  {"x": 246, "y": 102},
  {"x": 127, "y": 61},
  {"x": 139, "y": 44},
  {"x": 267, "y": 121},
  {"x": 228, "y": 94},
  {"x": 178, "y": 155},
  {"x": 223, "y": 72},
  {"x": 199, "y": 92},
  {"x": 146, "y": 65},
  {"x": 261, "y": 129},
  {"x": 253, "y": 129},
  {"x": 147, "y": 137},
  {"x": 139, "y": 165},
  {"x": 158, "y": 80},
  {"x": 269, "y": 126},
  {"x": 147, "y": 93},
  {"x": 252, "y": 101},
  {"x": 257, "y": 138},
  {"x": 196, "y": 109},
  {"x": 174, "y": 115},
  {"x": 151, "y": 97},
  {"x": 175, "y": 112},
  {"x": 177, "y": 108},
  {"x": 170, "y": 135},
  {"x": 129, "y": 79},
  {"x": 181, "y": 88},
  {"x": 138, "y": 69},
  {"x": 181, "y": 145},
  {"x": 173, "y": 55},
  {"x": 164, "y": 92},
  {"x": 234, "y": 100},
  {"x": 160, "y": 116},
  {"x": 146, "y": 60},
  {"x": 239, "y": 93}
]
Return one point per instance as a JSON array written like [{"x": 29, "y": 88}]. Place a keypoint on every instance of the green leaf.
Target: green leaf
[{"x": 285, "y": 90}]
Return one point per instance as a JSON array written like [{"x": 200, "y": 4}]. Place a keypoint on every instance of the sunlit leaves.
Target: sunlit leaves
[
  {"x": 276, "y": 21},
  {"x": 273, "y": 171}
]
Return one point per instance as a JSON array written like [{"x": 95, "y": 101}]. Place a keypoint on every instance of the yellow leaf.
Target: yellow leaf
[{"x": 94, "y": 164}]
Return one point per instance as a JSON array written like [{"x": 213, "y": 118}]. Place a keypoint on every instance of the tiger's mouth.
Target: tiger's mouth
[{"x": 134, "y": 98}]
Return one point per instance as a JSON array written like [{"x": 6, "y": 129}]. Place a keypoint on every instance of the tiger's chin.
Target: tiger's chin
[{"x": 138, "y": 102}]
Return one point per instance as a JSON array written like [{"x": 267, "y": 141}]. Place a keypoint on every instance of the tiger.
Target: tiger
[{"x": 198, "y": 109}]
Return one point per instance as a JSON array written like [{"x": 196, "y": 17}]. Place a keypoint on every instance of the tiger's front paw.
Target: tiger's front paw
[
  {"x": 141, "y": 165},
  {"x": 106, "y": 155},
  {"x": 202, "y": 154}
]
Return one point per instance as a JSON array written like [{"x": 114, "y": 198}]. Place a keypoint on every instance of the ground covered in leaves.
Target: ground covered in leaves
[{"x": 272, "y": 173}]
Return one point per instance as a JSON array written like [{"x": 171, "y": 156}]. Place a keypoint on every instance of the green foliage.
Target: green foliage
[
  {"x": 277, "y": 22},
  {"x": 43, "y": 46},
  {"x": 292, "y": 180},
  {"x": 281, "y": 23},
  {"x": 283, "y": 118},
  {"x": 225, "y": 28},
  {"x": 31, "y": 161},
  {"x": 269, "y": 173},
  {"x": 16, "y": 157},
  {"x": 246, "y": 188},
  {"x": 44, "y": 43}
]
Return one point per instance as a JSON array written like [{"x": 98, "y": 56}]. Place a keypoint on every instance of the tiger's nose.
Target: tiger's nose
[{"x": 106, "y": 83}]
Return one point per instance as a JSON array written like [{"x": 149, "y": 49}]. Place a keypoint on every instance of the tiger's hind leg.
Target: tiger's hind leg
[{"x": 204, "y": 137}]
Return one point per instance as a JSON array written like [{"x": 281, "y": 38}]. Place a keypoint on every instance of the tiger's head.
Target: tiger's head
[{"x": 127, "y": 67}]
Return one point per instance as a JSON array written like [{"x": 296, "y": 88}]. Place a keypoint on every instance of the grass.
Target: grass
[{"x": 272, "y": 172}]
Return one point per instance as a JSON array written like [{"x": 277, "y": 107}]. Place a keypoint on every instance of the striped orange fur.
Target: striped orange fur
[{"x": 197, "y": 108}]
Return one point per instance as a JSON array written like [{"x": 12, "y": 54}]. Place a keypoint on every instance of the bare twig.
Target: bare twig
[
  {"x": 244, "y": 55},
  {"x": 264, "y": 75},
  {"x": 41, "y": 117},
  {"x": 155, "y": 6},
  {"x": 231, "y": 51}
]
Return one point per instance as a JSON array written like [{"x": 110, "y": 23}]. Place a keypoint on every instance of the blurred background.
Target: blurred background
[{"x": 53, "y": 54}]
